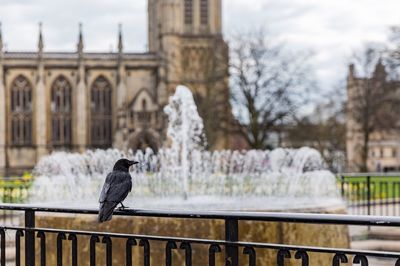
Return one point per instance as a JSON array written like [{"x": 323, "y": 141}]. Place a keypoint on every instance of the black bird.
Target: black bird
[{"x": 115, "y": 189}]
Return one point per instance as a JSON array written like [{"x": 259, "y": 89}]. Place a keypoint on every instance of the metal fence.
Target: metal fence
[
  {"x": 14, "y": 190},
  {"x": 371, "y": 193},
  {"x": 231, "y": 246}
]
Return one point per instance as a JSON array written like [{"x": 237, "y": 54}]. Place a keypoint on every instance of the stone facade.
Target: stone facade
[
  {"x": 383, "y": 145},
  {"x": 80, "y": 100}
]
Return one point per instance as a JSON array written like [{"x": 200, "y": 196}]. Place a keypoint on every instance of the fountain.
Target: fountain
[{"x": 186, "y": 176}]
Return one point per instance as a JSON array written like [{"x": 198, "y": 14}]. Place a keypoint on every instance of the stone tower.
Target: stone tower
[{"x": 187, "y": 35}]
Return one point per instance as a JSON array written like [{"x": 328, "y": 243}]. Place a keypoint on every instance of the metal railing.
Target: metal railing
[
  {"x": 231, "y": 246},
  {"x": 14, "y": 190},
  {"x": 371, "y": 193}
]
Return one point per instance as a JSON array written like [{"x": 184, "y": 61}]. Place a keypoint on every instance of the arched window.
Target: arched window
[
  {"x": 144, "y": 105},
  {"x": 204, "y": 12},
  {"x": 101, "y": 113},
  {"x": 142, "y": 141},
  {"x": 21, "y": 112},
  {"x": 61, "y": 112},
  {"x": 188, "y": 12}
]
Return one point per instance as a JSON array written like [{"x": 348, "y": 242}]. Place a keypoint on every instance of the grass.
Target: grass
[
  {"x": 15, "y": 189},
  {"x": 355, "y": 188}
]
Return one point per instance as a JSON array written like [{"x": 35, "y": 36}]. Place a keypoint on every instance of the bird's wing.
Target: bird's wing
[
  {"x": 116, "y": 187},
  {"x": 106, "y": 187}
]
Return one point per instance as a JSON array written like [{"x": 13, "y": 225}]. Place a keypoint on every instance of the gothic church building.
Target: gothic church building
[{"x": 81, "y": 100}]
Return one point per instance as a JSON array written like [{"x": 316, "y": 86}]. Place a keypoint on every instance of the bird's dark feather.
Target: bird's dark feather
[
  {"x": 106, "y": 211},
  {"x": 115, "y": 189}
]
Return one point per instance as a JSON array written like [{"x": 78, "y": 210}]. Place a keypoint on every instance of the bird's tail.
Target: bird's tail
[{"x": 106, "y": 211}]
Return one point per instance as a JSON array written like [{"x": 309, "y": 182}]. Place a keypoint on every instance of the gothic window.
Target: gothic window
[
  {"x": 21, "y": 112},
  {"x": 101, "y": 113},
  {"x": 188, "y": 12},
  {"x": 144, "y": 105},
  {"x": 204, "y": 12},
  {"x": 61, "y": 112}
]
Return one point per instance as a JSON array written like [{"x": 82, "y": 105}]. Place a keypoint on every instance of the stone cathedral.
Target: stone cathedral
[{"x": 81, "y": 100}]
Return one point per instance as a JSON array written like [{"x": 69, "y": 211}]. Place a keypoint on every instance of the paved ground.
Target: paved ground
[
  {"x": 380, "y": 262},
  {"x": 376, "y": 238}
]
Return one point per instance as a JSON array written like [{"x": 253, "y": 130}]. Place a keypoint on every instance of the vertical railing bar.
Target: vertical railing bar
[
  {"x": 398, "y": 198},
  {"x": 281, "y": 255},
  {"x": 74, "y": 249},
  {"x": 60, "y": 238},
  {"x": 398, "y": 193},
  {"x": 387, "y": 197},
  {"x": 146, "y": 251},
  {"x": 393, "y": 197},
  {"x": 373, "y": 192},
  {"x": 3, "y": 247},
  {"x": 342, "y": 185},
  {"x": 301, "y": 254},
  {"x": 18, "y": 235},
  {"x": 346, "y": 192},
  {"x": 232, "y": 235},
  {"x": 380, "y": 202},
  {"x": 42, "y": 237},
  {"x": 358, "y": 197},
  {"x": 382, "y": 198},
  {"x": 29, "y": 238},
  {"x": 129, "y": 243},
  {"x": 214, "y": 248},
  {"x": 168, "y": 252},
  {"x": 107, "y": 240},
  {"x": 188, "y": 253},
  {"x": 368, "y": 195},
  {"x": 252, "y": 255},
  {"x": 365, "y": 197},
  {"x": 368, "y": 198},
  {"x": 92, "y": 249}
]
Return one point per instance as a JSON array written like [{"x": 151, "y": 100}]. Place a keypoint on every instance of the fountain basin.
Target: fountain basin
[{"x": 265, "y": 232}]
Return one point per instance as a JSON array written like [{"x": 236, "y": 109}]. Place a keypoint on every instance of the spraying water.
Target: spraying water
[
  {"x": 185, "y": 128},
  {"x": 186, "y": 176}
]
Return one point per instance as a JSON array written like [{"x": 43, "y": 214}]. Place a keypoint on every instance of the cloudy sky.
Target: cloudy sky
[{"x": 332, "y": 29}]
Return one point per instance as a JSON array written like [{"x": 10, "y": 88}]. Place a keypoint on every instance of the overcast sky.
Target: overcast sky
[{"x": 332, "y": 29}]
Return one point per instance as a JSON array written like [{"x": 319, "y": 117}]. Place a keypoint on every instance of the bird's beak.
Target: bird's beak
[{"x": 133, "y": 162}]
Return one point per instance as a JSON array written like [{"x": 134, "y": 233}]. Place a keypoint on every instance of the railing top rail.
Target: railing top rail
[
  {"x": 392, "y": 174},
  {"x": 223, "y": 215}
]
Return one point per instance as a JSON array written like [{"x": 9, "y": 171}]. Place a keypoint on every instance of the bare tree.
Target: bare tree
[
  {"x": 268, "y": 85},
  {"x": 324, "y": 129},
  {"x": 392, "y": 52},
  {"x": 372, "y": 101}
]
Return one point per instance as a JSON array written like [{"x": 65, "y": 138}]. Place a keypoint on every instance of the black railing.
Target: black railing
[
  {"x": 233, "y": 248},
  {"x": 13, "y": 190},
  {"x": 371, "y": 193}
]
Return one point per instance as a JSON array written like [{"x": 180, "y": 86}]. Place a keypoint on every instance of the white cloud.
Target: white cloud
[
  {"x": 332, "y": 29},
  {"x": 60, "y": 19}
]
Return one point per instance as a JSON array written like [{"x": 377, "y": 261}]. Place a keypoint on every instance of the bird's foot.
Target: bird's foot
[{"x": 122, "y": 207}]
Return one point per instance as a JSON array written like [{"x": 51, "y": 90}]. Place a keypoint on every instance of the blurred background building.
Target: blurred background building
[
  {"x": 372, "y": 132},
  {"x": 80, "y": 100}
]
